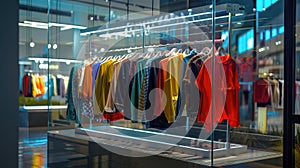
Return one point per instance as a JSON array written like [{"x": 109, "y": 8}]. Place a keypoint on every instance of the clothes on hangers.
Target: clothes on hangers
[
  {"x": 275, "y": 92},
  {"x": 186, "y": 59},
  {"x": 137, "y": 77},
  {"x": 262, "y": 92},
  {"x": 122, "y": 97},
  {"x": 36, "y": 85},
  {"x": 33, "y": 85},
  {"x": 54, "y": 85},
  {"x": 27, "y": 86},
  {"x": 103, "y": 83},
  {"x": 191, "y": 101},
  {"x": 87, "y": 82},
  {"x": 225, "y": 96},
  {"x": 171, "y": 85},
  {"x": 150, "y": 96},
  {"x": 110, "y": 111},
  {"x": 71, "y": 110},
  {"x": 268, "y": 92},
  {"x": 123, "y": 88}
]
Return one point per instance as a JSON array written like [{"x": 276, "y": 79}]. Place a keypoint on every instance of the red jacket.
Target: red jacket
[
  {"x": 261, "y": 91},
  {"x": 226, "y": 105}
]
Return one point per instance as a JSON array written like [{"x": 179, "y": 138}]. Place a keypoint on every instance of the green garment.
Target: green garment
[{"x": 138, "y": 79}]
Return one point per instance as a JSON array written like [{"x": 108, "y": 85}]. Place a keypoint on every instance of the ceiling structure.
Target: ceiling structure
[
  {"x": 91, "y": 13},
  {"x": 76, "y": 13}
]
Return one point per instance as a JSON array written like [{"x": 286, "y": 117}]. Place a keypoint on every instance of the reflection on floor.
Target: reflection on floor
[{"x": 32, "y": 147}]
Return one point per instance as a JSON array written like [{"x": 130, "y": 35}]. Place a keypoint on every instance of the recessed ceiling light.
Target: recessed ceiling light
[
  {"x": 31, "y": 44},
  {"x": 54, "y": 46}
]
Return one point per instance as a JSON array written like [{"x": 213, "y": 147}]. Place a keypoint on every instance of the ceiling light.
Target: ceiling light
[
  {"x": 49, "y": 46},
  {"x": 239, "y": 23},
  {"x": 31, "y": 44},
  {"x": 54, "y": 46},
  {"x": 36, "y": 59},
  {"x": 43, "y": 25},
  {"x": 261, "y": 49},
  {"x": 25, "y": 63},
  {"x": 33, "y": 26},
  {"x": 278, "y": 42}
]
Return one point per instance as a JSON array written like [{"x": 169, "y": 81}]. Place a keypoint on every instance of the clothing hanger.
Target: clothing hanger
[
  {"x": 165, "y": 52},
  {"x": 171, "y": 52},
  {"x": 109, "y": 57},
  {"x": 123, "y": 57},
  {"x": 118, "y": 57},
  {"x": 205, "y": 50},
  {"x": 146, "y": 55},
  {"x": 103, "y": 58},
  {"x": 159, "y": 53},
  {"x": 128, "y": 56},
  {"x": 222, "y": 51},
  {"x": 179, "y": 51},
  {"x": 185, "y": 52},
  {"x": 213, "y": 49}
]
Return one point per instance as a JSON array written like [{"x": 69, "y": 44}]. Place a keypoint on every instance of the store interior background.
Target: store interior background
[{"x": 41, "y": 36}]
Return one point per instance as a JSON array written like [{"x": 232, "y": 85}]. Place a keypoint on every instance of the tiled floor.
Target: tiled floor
[{"x": 32, "y": 147}]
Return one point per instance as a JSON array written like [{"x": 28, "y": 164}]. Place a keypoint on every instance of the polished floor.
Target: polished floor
[{"x": 32, "y": 147}]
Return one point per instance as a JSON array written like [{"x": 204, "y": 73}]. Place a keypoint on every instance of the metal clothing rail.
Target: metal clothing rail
[
  {"x": 221, "y": 12},
  {"x": 164, "y": 45},
  {"x": 140, "y": 25}
]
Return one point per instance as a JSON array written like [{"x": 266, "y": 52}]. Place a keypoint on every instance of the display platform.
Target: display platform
[
  {"x": 94, "y": 149},
  {"x": 37, "y": 116},
  {"x": 164, "y": 141}
]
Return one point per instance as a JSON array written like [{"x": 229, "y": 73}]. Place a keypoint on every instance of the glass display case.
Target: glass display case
[{"x": 183, "y": 82}]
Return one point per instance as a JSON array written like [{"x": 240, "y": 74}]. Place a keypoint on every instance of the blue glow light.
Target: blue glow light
[
  {"x": 246, "y": 41},
  {"x": 264, "y": 4},
  {"x": 281, "y": 30},
  {"x": 261, "y": 36},
  {"x": 268, "y": 34},
  {"x": 274, "y": 32}
]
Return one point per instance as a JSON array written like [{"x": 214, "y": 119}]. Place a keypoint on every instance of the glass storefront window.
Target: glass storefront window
[{"x": 182, "y": 79}]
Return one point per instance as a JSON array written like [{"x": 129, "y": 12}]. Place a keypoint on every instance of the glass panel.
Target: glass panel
[
  {"x": 297, "y": 66},
  {"x": 297, "y": 145},
  {"x": 297, "y": 96},
  {"x": 153, "y": 82},
  {"x": 33, "y": 116},
  {"x": 256, "y": 48}
]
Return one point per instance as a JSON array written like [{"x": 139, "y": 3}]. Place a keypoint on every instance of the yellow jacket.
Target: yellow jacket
[
  {"x": 102, "y": 85},
  {"x": 171, "y": 86}
]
